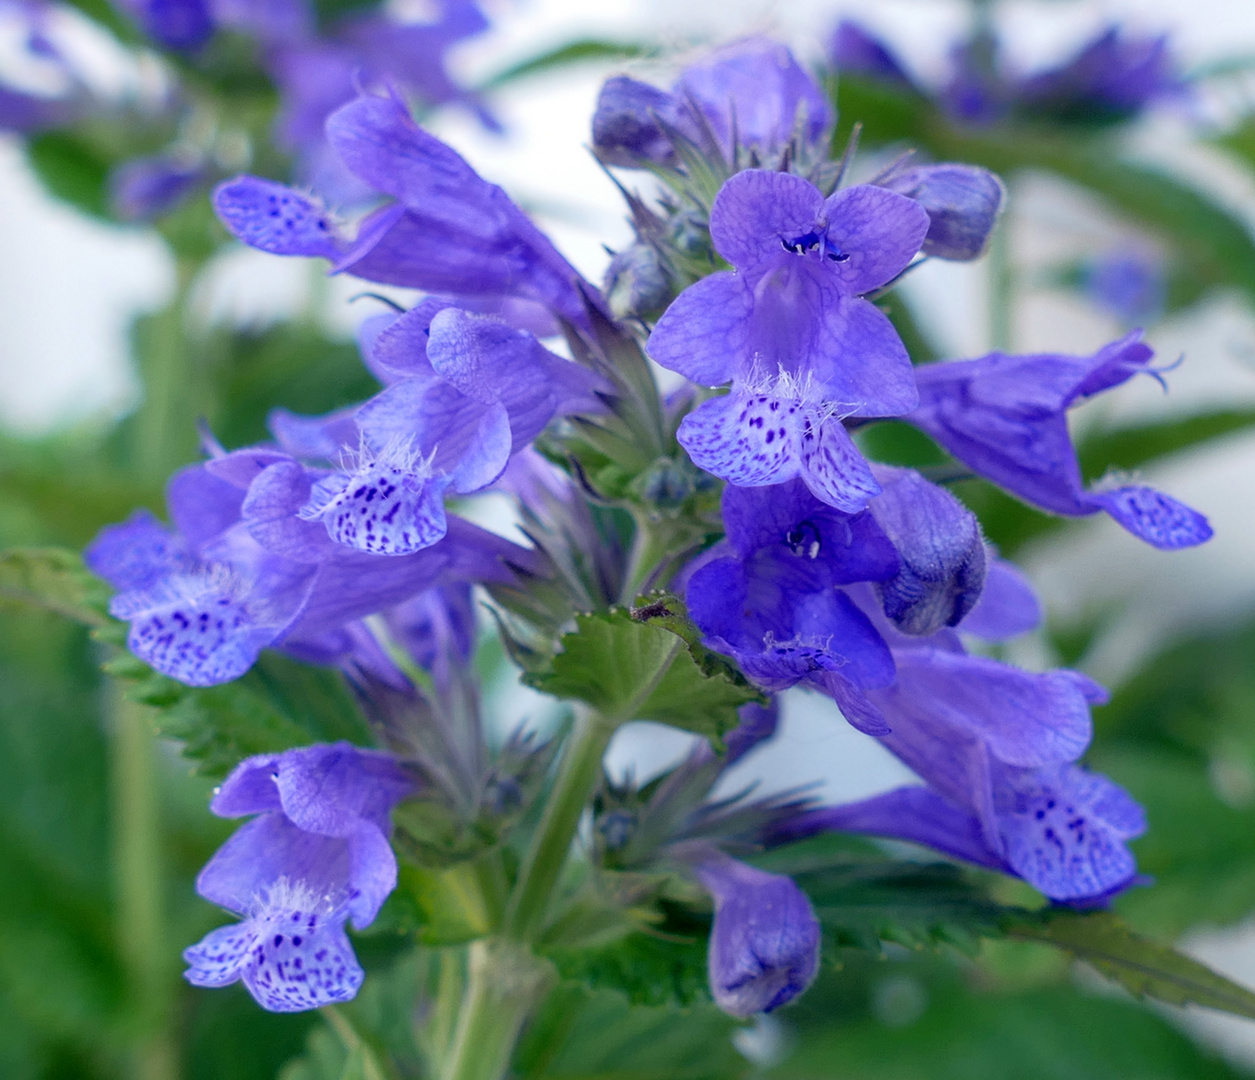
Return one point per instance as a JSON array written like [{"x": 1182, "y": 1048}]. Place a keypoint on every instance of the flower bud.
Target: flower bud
[
  {"x": 942, "y": 553},
  {"x": 764, "y": 945},
  {"x": 637, "y": 282},
  {"x": 962, "y": 201}
]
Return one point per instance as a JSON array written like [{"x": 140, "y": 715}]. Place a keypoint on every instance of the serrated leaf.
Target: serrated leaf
[
  {"x": 56, "y": 580},
  {"x": 277, "y": 705},
  {"x": 579, "y": 1035},
  {"x": 1145, "y": 968},
  {"x": 629, "y": 670}
]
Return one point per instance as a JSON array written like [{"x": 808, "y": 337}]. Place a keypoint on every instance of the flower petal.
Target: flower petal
[
  {"x": 307, "y": 965},
  {"x": 384, "y": 509},
  {"x": 746, "y": 439},
  {"x": 705, "y": 330},
  {"x": 220, "y": 957},
  {"x": 832, "y": 467},
  {"x": 758, "y": 210},
  {"x": 274, "y": 218},
  {"x": 1157, "y": 518},
  {"x": 880, "y": 230}
]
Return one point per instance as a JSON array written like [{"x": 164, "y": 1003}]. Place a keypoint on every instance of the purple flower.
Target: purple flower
[
  {"x": 241, "y": 572},
  {"x": 1006, "y": 418},
  {"x": 1062, "y": 829},
  {"x": 764, "y": 944},
  {"x": 1111, "y": 77},
  {"x": 467, "y": 392},
  {"x": 770, "y": 597},
  {"x": 962, "y": 201},
  {"x": 753, "y": 88},
  {"x": 854, "y": 50},
  {"x": 449, "y": 230},
  {"x": 757, "y": 723},
  {"x": 146, "y": 188},
  {"x": 30, "y": 31},
  {"x": 1127, "y": 283},
  {"x": 316, "y": 856},
  {"x": 942, "y": 553},
  {"x": 788, "y": 329},
  {"x": 183, "y": 25}
]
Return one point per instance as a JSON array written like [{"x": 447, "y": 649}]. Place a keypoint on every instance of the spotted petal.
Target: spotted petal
[
  {"x": 220, "y": 957},
  {"x": 746, "y": 439},
  {"x": 1157, "y": 518},
  {"x": 832, "y": 467},
  {"x": 273, "y": 217},
  {"x": 385, "y": 508},
  {"x": 303, "y": 962}
]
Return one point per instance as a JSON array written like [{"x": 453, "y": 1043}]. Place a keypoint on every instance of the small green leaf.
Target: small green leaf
[
  {"x": 630, "y": 670},
  {"x": 1144, "y": 968},
  {"x": 56, "y": 580}
]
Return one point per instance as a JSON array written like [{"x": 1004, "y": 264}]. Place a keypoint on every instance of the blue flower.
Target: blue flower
[
  {"x": 447, "y": 231},
  {"x": 1006, "y": 418},
  {"x": 317, "y": 855},
  {"x": 764, "y": 944},
  {"x": 962, "y": 201},
  {"x": 788, "y": 329},
  {"x": 1128, "y": 284},
  {"x": 770, "y": 597},
  {"x": 753, "y": 88}
]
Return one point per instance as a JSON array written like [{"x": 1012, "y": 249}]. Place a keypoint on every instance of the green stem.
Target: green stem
[
  {"x": 505, "y": 982},
  {"x": 577, "y": 777},
  {"x": 137, "y": 868},
  {"x": 1001, "y": 286}
]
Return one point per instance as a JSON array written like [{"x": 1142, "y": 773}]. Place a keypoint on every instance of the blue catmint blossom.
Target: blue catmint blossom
[
  {"x": 182, "y": 25},
  {"x": 942, "y": 553},
  {"x": 764, "y": 944},
  {"x": 447, "y": 231},
  {"x": 1127, "y": 283},
  {"x": 771, "y": 596},
  {"x": 753, "y": 90},
  {"x": 1112, "y": 77},
  {"x": 316, "y": 856},
  {"x": 149, "y": 187},
  {"x": 240, "y": 571},
  {"x": 466, "y": 392},
  {"x": 963, "y": 203},
  {"x": 788, "y": 328},
  {"x": 1006, "y": 418}
]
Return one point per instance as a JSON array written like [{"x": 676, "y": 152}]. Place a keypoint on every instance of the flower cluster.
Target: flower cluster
[{"x": 801, "y": 562}]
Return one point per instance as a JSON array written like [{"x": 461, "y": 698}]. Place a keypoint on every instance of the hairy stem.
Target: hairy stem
[
  {"x": 504, "y": 983},
  {"x": 577, "y": 777}
]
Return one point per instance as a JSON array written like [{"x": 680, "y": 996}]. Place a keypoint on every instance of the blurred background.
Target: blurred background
[{"x": 102, "y": 829}]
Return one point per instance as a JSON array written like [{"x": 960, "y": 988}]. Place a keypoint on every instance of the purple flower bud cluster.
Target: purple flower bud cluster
[{"x": 1112, "y": 77}]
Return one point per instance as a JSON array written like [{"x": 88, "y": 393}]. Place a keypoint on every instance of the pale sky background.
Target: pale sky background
[{"x": 68, "y": 287}]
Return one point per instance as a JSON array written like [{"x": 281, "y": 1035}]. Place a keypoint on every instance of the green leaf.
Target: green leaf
[
  {"x": 580, "y": 1035},
  {"x": 631, "y": 670},
  {"x": 1145, "y": 968},
  {"x": 277, "y": 705},
  {"x": 922, "y": 1018},
  {"x": 864, "y": 902},
  {"x": 72, "y": 170},
  {"x": 573, "y": 52},
  {"x": 56, "y": 580},
  {"x": 1130, "y": 447}
]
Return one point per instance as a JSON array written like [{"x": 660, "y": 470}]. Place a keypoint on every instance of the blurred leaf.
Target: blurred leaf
[
  {"x": 278, "y": 704},
  {"x": 664, "y": 964},
  {"x": 628, "y": 670},
  {"x": 56, "y": 580},
  {"x": 72, "y": 170},
  {"x": 583, "y": 1034},
  {"x": 921, "y": 1018},
  {"x": 573, "y": 52},
  {"x": 1144, "y": 968},
  {"x": 1130, "y": 447}
]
